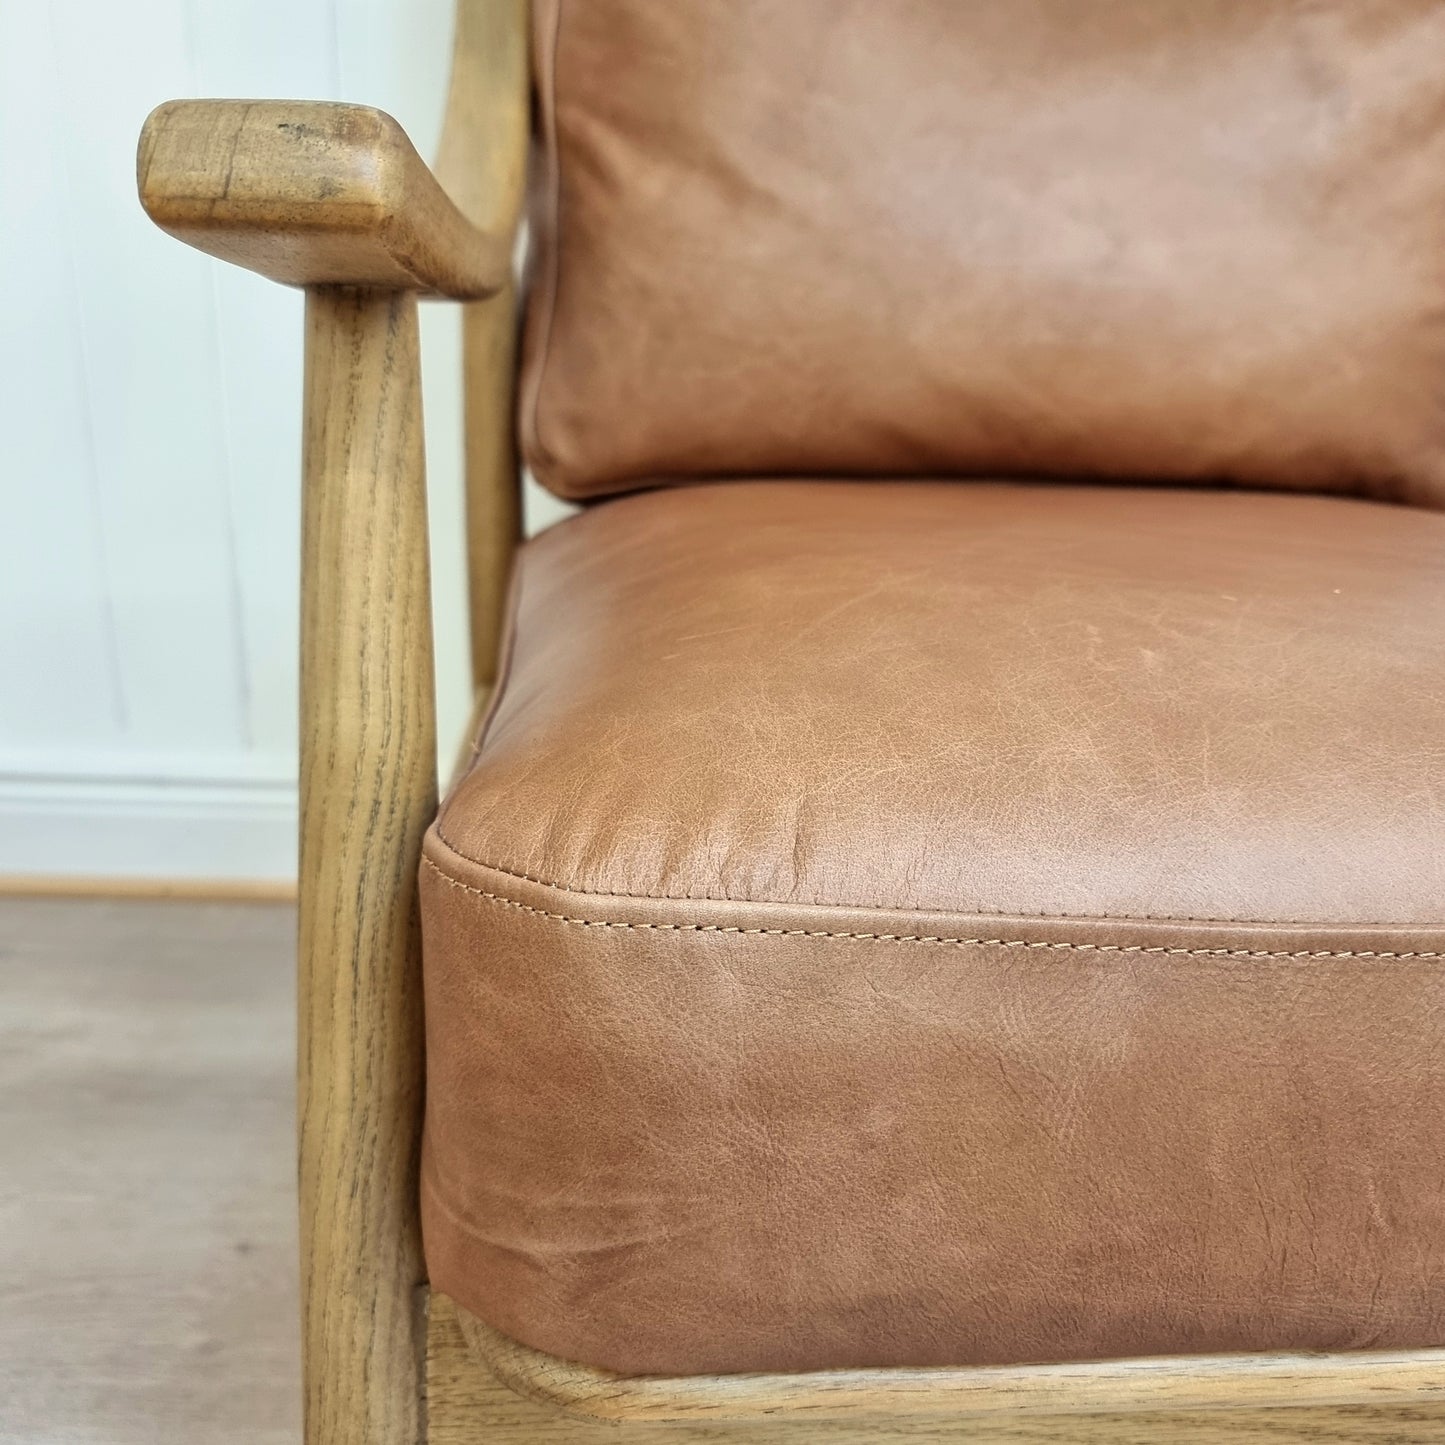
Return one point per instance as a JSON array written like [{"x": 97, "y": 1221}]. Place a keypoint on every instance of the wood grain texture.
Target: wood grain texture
[
  {"x": 368, "y": 790},
  {"x": 482, "y": 157},
  {"x": 1088, "y": 1388},
  {"x": 494, "y": 493},
  {"x": 468, "y": 1405},
  {"x": 313, "y": 193},
  {"x": 482, "y": 163}
]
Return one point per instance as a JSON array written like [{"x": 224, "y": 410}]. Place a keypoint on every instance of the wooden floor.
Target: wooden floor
[{"x": 147, "y": 1223}]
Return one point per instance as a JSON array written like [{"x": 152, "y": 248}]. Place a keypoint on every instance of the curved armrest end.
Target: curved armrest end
[{"x": 312, "y": 193}]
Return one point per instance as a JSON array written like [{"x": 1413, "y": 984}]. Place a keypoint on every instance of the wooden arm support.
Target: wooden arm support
[
  {"x": 334, "y": 198},
  {"x": 312, "y": 193}
]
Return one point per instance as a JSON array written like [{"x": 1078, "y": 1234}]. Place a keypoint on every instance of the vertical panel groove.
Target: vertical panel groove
[{"x": 120, "y": 702}]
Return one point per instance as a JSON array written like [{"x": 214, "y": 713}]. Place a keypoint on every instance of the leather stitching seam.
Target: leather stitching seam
[
  {"x": 562, "y": 887},
  {"x": 1043, "y": 945}
]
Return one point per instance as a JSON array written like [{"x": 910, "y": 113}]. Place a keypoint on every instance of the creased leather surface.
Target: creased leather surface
[
  {"x": 980, "y": 698},
  {"x": 810, "y": 971},
  {"x": 1125, "y": 238}
]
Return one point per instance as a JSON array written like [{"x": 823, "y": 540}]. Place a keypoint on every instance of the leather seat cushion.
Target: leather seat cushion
[
  {"x": 1153, "y": 239},
  {"x": 948, "y": 923}
]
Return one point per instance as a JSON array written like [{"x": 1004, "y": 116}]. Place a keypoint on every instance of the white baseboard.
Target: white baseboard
[{"x": 92, "y": 826}]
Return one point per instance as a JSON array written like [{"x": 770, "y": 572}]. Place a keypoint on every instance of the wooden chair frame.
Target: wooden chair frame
[{"x": 334, "y": 199}]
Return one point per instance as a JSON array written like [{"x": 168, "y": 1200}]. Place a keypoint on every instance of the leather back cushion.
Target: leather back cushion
[{"x": 1158, "y": 239}]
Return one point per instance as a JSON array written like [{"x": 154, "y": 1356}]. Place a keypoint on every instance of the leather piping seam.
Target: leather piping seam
[
  {"x": 560, "y": 887},
  {"x": 858, "y": 936},
  {"x": 494, "y": 708}
]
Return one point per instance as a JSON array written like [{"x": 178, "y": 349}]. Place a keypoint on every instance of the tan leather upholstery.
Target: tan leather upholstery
[
  {"x": 944, "y": 923},
  {"x": 1158, "y": 239}
]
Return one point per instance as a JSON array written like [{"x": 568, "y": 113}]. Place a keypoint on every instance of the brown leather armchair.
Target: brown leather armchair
[{"x": 939, "y": 932}]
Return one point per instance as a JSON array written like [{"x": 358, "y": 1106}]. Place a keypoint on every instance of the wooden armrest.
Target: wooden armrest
[{"x": 312, "y": 193}]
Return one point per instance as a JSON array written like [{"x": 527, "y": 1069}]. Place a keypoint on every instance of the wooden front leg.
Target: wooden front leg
[{"x": 368, "y": 792}]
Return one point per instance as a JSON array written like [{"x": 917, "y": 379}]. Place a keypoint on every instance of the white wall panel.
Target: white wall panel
[
  {"x": 151, "y": 402},
  {"x": 57, "y": 676},
  {"x": 264, "y": 49},
  {"x": 152, "y": 386}
]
